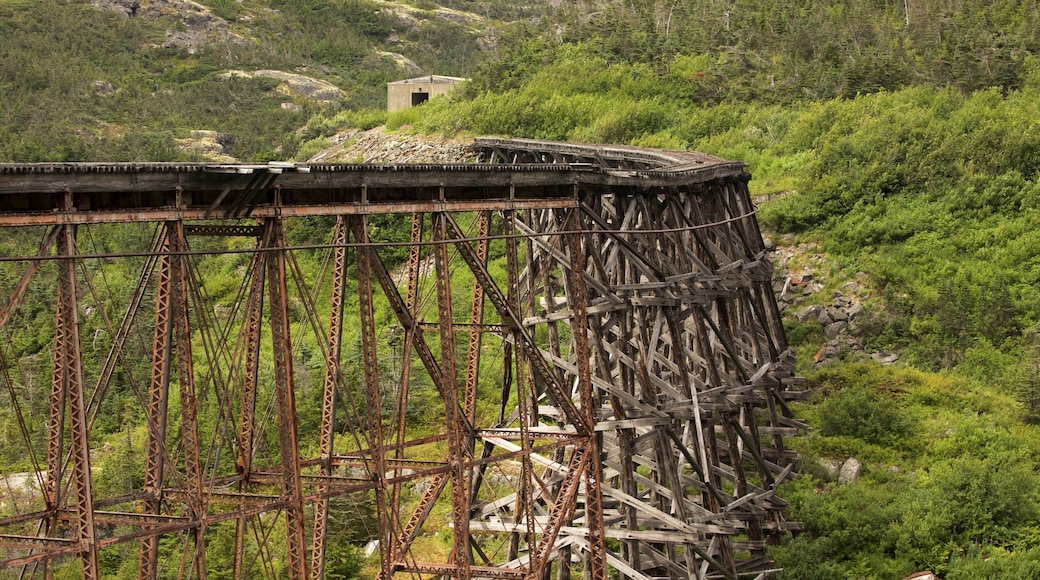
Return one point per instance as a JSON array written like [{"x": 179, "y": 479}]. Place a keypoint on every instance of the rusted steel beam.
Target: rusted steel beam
[
  {"x": 476, "y": 317},
  {"x": 224, "y": 498},
  {"x": 462, "y": 181},
  {"x": 44, "y": 555},
  {"x": 161, "y": 214},
  {"x": 158, "y": 400},
  {"x": 56, "y": 412},
  {"x": 561, "y": 512},
  {"x": 577, "y": 299},
  {"x": 190, "y": 447},
  {"x": 31, "y": 542},
  {"x": 450, "y": 571},
  {"x": 460, "y": 443},
  {"x": 422, "y": 510},
  {"x": 403, "y": 388},
  {"x": 328, "y": 398},
  {"x": 224, "y": 231},
  {"x": 524, "y": 389},
  {"x": 370, "y": 361},
  {"x": 72, "y": 379},
  {"x": 529, "y": 434},
  {"x": 285, "y": 396},
  {"x": 248, "y": 359},
  {"x": 473, "y": 350}
]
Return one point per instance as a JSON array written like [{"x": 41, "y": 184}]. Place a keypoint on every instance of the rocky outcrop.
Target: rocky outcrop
[
  {"x": 198, "y": 24},
  {"x": 800, "y": 271},
  {"x": 402, "y": 62},
  {"x": 297, "y": 85},
  {"x": 409, "y": 16},
  {"x": 209, "y": 145}
]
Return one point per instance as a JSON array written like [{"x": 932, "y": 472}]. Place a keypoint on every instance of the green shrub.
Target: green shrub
[
  {"x": 864, "y": 414},
  {"x": 996, "y": 564},
  {"x": 399, "y": 119},
  {"x": 802, "y": 333},
  {"x": 966, "y": 502}
]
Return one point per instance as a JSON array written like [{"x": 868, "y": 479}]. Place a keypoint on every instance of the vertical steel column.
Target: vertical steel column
[
  {"x": 370, "y": 361},
  {"x": 578, "y": 303},
  {"x": 67, "y": 324},
  {"x": 411, "y": 295},
  {"x": 247, "y": 411},
  {"x": 56, "y": 425},
  {"x": 524, "y": 509},
  {"x": 476, "y": 318},
  {"x": 328, "y": 398},
  {"x": 476, "y": 334},
  {"x": 285, "y": 396},
  {"x": 158, "y": 399},
  {"x": 179, "y": 272},
  {"x": 460, "y": 448}
]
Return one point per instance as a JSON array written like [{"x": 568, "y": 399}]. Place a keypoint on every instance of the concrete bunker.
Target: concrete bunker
[{"x": 418, "y": 90}]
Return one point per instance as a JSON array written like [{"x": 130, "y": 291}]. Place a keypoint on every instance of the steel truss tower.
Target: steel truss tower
[{"x": 593, "y": 329}]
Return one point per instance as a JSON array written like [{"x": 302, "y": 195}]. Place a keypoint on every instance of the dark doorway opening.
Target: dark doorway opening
[{"x": 420, "y": 98}]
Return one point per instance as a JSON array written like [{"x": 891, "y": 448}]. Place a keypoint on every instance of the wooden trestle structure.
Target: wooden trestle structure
[{"x": 614, "y": 392}]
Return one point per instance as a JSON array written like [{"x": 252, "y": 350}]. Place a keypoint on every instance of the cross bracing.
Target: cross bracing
[{"x": 610, "y": 373}]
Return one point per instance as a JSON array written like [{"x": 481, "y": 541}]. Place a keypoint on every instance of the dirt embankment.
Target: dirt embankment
[{"x": 378, "y": 146}]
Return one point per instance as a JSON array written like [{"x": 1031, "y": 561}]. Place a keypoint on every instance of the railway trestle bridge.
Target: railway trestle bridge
[{"x": 593, "y": 329}]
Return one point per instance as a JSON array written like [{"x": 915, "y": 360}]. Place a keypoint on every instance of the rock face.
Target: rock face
[
  {"x": 199, "y": 24},
  {"x": 404, "y": 63},
  {"x": 799, "y": 278},
  {"x": 210, "y": 145},
  {"x": 297, "y": 85},
  {"x": 304, "y": 86}
]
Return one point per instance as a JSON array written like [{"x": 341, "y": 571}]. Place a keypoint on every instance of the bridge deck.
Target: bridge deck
[{"x": 520, "y": 174}]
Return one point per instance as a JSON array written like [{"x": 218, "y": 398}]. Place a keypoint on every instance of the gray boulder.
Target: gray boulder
[{"x": 850, "y": 471}]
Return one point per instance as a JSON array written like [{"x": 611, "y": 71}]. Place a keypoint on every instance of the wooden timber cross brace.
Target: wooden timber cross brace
[{"x": 612, "y": 399}]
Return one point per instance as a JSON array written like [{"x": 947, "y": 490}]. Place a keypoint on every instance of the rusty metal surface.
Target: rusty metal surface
[
  {"x": 158, "y": 399},
  {"x": 331, "y": 381},
  {"x": 285, "y": 398},
  {"x": 624, "y": 373}
]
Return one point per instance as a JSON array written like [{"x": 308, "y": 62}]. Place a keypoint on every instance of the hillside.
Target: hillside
[
  {"x": 125, "y": 79},
  {"x": 894, "y": 148}
]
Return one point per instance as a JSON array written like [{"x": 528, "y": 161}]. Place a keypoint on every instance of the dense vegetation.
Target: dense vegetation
[
  {"x": 789, "y": 50},
  {"x": 904, "y": 137}
]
